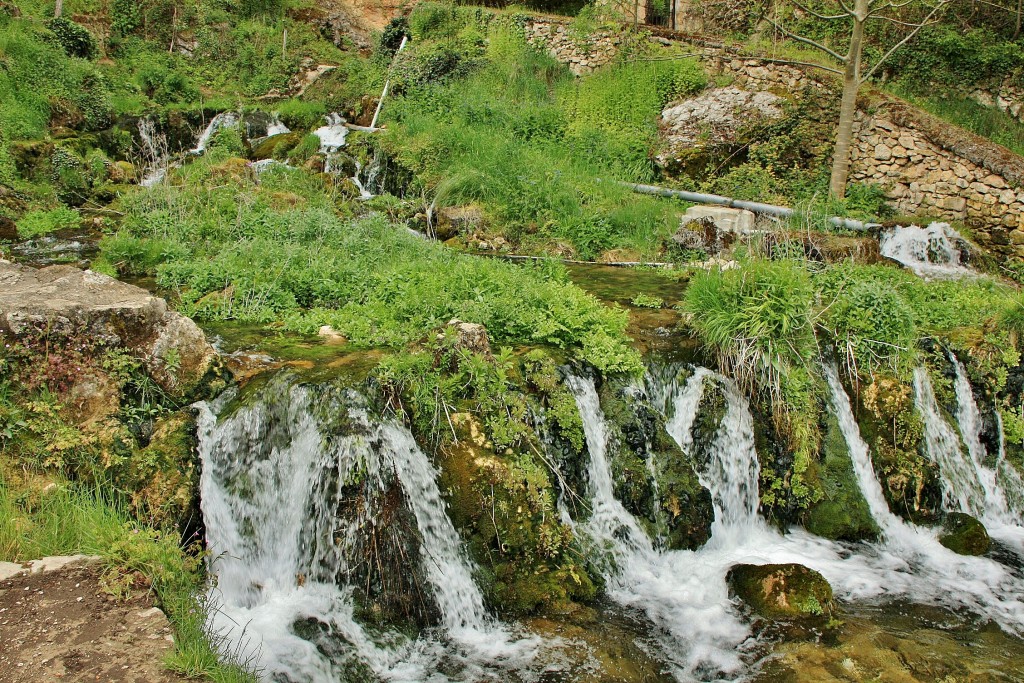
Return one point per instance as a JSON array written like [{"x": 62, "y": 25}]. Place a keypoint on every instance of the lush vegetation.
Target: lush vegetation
[{"x": 275, "y": 251}]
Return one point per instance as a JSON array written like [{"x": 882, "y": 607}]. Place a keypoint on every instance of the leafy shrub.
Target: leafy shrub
[
  {"x": 869, "y": 322},
  {"x": 307, "y": 147},
  {"x": 227, "y": 141},
  {"x": 42, "y": 222},
  {"x": 74, "y": 38}
]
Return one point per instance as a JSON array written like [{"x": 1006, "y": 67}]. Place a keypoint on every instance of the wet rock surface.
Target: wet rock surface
[
  {"x": 964, "y": 534},
  {"x": 63, "y": 302},
  {"x": 782, "y": 591},
  {"x": 61, "y": 625}
]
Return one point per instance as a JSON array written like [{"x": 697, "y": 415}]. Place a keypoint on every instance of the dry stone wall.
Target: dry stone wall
[
  {"x": 582, "y": 54},
  {"x": 926, "y": 167}
]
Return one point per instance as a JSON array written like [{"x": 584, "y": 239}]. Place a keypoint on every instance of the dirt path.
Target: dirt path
[{"x": 61, "y": 625}]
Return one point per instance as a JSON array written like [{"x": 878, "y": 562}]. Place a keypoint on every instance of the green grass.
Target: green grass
[
  {"x": 42, "y": 222},
  {"x": 229, "y": 250},
  {"x": 988, "y": 122},
  {"x": 509, "y": 128}
]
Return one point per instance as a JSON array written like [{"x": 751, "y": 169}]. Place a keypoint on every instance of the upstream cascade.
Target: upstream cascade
[{"x": 271, "y": 488}]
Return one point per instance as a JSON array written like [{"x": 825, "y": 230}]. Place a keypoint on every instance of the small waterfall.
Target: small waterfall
[
  {"x": 276, "y": 127},
  {"x": 154, "y": 152},
  {"x": 227, "y": 119},
  {"x": 929, "y": 252},
  {"x": 686, "y": 598},
  {"x": 684, "y": 592},
  {"x": 1008, "y": 475},
  {"x": 271, "y": 487}
]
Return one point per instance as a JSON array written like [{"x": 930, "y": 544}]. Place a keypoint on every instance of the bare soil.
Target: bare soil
[{"x": 62, "y": 625}]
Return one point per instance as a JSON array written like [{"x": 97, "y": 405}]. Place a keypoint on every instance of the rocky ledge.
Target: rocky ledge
[{"x": 64, "y": 303}]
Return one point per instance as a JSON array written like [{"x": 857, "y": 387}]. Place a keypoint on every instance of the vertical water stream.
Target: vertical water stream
[{"x": 270, "y": 484}]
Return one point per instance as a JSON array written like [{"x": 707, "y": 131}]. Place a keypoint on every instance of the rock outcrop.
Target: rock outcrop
[
  {"x": 964, "y": 534},
  {"x": 782, "y": 591},
  {"x": 64, "y": 303}
]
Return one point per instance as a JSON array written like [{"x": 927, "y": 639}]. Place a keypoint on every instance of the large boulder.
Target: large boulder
[
  {"x": 964, "y": 534},
  {"x": 713, "y": 124},
  {"x": 782, "y": 591},
  {"x": 65, "y": 303}
]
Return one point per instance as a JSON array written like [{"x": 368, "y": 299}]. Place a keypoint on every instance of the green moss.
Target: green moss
[
  {"x": 505, "y": 504},
  {"x": 843, "y": 514},
  {"x": 963, "y": 534},
  {"x": 782, "y": 591}
]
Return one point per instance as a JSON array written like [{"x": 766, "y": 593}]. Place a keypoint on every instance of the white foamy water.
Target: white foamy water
[
  {"x": 154, "y": 153},
  {"x": 227, "y": 119},
  {"x": 277, "y": 548},
  {"x": 929, "y": 252},
  {"x": 276, "y": 127},
  {"x": 987, "y": 488},
  {"x": 684, "y": 592}
]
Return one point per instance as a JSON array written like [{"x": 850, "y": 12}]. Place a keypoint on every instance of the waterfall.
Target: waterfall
[
  {"x": 154, "y": 152},
  {"x": 227, "y": 119},
  {"x": 276, "y": 127},
  {"x": 929, "y": 252},
  {"x": 703, "y": 637},
  {"x": 684, "y": 592},
  {"x": 270, "y": 494}
]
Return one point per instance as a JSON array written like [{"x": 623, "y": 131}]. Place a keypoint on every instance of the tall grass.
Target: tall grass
[{"x": 539, "y": 149}]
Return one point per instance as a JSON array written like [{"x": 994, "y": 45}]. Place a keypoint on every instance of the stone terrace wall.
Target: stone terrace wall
[
  {"x": 925, "y": 165},
  {"x": 581, "y": 55},
  {"x": 924, "y": 172}
]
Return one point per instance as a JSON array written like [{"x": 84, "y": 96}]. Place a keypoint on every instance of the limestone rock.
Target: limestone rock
[
  {"x": 782, "y": 591},
  {"x": 64, "y": 302},
  {"x": 471, "y": 337},
  {"x": 964, "y": 534},
  {"x": 715, "y": 117},
  {"x": 726, "y": 220},
  {"x": 457, "y": 220}
]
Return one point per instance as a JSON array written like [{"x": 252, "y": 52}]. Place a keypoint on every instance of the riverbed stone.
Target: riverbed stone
[
  {"x": 964, "y": 534},
  {"x": 782, "y": 591},
  {"x": 64, "y": 303}
]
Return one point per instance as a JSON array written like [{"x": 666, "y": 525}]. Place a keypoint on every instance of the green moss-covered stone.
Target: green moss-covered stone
[
  {"x": 843, "y": 514},
  {"x": 963, "y": 534},
  {"x": 653, "y": 478},
  {"x": 782, "y": 591},
  {"x": 276, "y": 146}
]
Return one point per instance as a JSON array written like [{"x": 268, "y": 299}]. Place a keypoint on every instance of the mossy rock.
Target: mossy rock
[
  {"x": 892, "y": 428},
  {"x": 505, "y": 506},
  {"x": 843, "y": 514},
  {"x": 655, "y": 480},
  {"x": 276, "y": 146},
  {"x": 782, "y": 591},
  {"x": 964, "y": 534}
]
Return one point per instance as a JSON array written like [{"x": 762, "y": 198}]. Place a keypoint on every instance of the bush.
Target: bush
[
  {"x": 43, "y": 222},
  {"x": 75, "y": 39},
  {"x": 757, "y": 319}
]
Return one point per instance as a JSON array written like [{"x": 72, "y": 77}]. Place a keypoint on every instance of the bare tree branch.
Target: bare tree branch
[
  {"x": 906, "y": 39},
  {"x": 898, "y": 22},
  {"x": 807, "y": 41}
]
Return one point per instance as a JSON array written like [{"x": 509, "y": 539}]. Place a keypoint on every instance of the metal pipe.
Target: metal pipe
[
  {"x": 387, "y": 83},
  {"x": 755, "y": 207}
]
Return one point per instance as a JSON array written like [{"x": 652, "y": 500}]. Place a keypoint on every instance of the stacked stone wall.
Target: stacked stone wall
[{"x": 582, "y": 54}]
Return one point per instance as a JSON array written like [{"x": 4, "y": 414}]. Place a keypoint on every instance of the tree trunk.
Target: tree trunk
[
  {"x": 1016, "y": 29},
  {"x": 58, "y": 9},
  {"x": 848, "y": 107}
]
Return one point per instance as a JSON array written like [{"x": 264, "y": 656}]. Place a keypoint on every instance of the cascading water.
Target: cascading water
[
  {"x": 684, "y": 592},
  {"x": 278, "y": 548},
  {"x": 227, "y": 119},
  {"x": 988, "y": 489},
  {"x": 154, "y": 153},
  {"x": 929, "y": 252}
]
